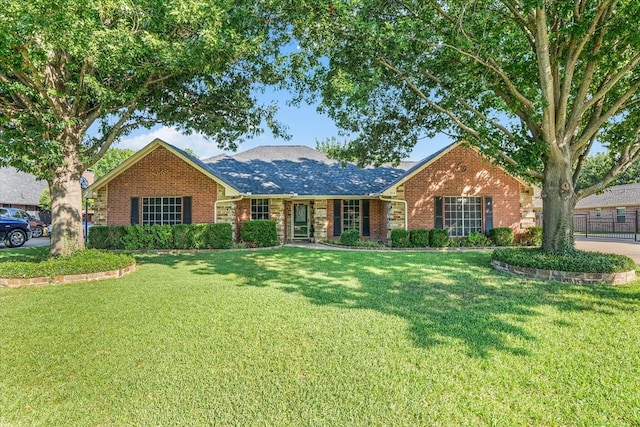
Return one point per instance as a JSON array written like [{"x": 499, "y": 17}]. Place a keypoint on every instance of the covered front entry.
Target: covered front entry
[{"x": 300, "y": 220}]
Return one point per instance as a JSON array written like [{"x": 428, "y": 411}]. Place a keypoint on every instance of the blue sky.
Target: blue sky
[{"x": 306, "y": 126}]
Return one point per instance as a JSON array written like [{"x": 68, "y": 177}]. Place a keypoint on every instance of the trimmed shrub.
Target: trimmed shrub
[
  {"x": 161, "y": 236},
  {"x": 182, "y": 236},
  {"x": 137, "y": 237},
  {"x": 574, "y": 261},
  {"x": 439, "y": 238},
  {"x": 259, "y": 233},
  {"x": 350, "y": 237},
  {"x": 400, "y": 238},
  {"x": 502, "y": 236},
  {"x": 533, "y": 236},
  {"x": 419, "y": 238},
  {"x": 106, "y": 237},
  {"x": 477, "y": 239},
  {"x": 211, "y": 236}
]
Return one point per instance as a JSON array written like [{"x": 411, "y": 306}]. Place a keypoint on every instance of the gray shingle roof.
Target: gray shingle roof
[
  {"x": 616, "y": 196},
  {"x": 20, "y": 188},
  {"x": 298, "y": 169}
]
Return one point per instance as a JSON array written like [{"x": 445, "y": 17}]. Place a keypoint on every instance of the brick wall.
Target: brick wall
[
  {"x": 462, "y": 172},
  {"x": 159, "y": 174}
]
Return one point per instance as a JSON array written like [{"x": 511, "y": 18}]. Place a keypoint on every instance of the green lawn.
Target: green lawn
[{"x": 302, "y": 337}]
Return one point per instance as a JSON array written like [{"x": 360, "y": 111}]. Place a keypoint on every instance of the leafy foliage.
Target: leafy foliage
[
  {"x": 400, "y": 238},
  {"x": 259, "y": 233},
  {"x": 439, "y": 238},
  {"x": 111, "y": 159},
  {"x": 181, "y": 236},
  {"x": 576, "y": 261},
  {"x": 476, "y": 238},
  {"x": 45, "y": 200},
  {"x": 349, "y": 237},
  {"x": 72, "y": 65},
  {"x": 88, "y": 261},
  {"x": 597, "y": 165},
  {"x": 533, "y": 84},
  {"x": 533, "y": 236},
  {"x": 502, "y": 236},
  {"x": 419, "y": 238}
]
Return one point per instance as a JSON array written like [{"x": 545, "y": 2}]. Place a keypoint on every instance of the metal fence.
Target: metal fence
[{"x": 585, "y": 226}]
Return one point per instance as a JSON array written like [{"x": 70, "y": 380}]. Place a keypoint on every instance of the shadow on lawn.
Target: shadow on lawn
[{"x": 442, "y": 296}]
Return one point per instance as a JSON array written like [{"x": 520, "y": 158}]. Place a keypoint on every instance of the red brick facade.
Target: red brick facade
[
  {"x": 462, "y": 172},
  {"x": 160, "y": 174}
]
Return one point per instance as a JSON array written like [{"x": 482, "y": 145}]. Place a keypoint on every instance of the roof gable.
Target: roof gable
[{"x": 137, "y": 156}]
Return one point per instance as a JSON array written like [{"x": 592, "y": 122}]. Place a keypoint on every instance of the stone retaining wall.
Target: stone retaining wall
[
  {"x": 71, "y": 278},
  {"x": 567, "y": 276}
]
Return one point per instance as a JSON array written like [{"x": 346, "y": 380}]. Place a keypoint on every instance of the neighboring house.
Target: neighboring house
[
  {"x": 20, "y": 190},
  {"x": 618, "y": 204},
  {"x": 310, "y": 196}
]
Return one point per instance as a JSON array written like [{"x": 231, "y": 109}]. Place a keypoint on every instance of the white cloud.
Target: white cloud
[{"x": 196, "y": 142}]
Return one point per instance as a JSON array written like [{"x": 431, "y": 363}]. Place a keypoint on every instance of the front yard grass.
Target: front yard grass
[{"x": 302, "y": 337}]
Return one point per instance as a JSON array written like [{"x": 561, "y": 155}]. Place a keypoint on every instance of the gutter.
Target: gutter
[{"x": 215, "y": 206}]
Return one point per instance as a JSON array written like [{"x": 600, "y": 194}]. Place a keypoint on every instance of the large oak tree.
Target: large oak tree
[
  {"x": 77, "y": 75},
  {"x": 532, "y": 83}
]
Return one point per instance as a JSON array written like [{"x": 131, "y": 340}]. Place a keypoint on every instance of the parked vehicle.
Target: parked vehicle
[
  {"x": 38, "y": 228},
  {"x": 14, "y": 231}
]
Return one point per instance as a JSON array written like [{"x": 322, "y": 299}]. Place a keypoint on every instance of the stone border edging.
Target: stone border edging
[
  {"x": 69, "y": 278},
  {"x": 567, "y": 276}
]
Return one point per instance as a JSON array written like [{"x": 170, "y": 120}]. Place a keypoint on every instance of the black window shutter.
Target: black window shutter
[
  {"x": 488, "y": 214},
  {"x": 337, "y": 217},
  {"x": 439, "y": 220},
  {"x": 135, "y": 210},
  {"x": 366, "y": 229},
  {"x": 186, "y": 210}
]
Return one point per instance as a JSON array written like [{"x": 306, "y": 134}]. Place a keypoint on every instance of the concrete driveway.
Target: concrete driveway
[
  {"x": 40, "y": 241},
  {"x": 622, "y": 247}
]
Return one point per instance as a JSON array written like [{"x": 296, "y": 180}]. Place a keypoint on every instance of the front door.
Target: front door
[{"x": 300, "y": 220}]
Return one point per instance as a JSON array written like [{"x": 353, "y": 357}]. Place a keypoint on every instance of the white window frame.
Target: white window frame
[
  {"x": 260, "y": 209},
  {"x": 164, "y": 210},
  {"x": 351, "y": 214},
  {"x": 463, "y": 215}
]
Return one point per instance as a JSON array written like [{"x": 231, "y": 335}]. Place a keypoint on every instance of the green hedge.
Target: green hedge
[
  {"x": 575, "y": 261},
  {"x": 419, "y": 238},
  {"x": 350, "y": 237},
  {"x": 502, "y": 236},
  {"x": 400, "y": 239},
  {"x": 259, "y": 233},
  {"x": 533, "y": 236},
  {"x": 439, "y": 238},
  {"x": 181, "y": 236}
]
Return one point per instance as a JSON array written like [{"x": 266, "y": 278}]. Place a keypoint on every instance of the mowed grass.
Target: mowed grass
[{"x": 319, "y": 337}]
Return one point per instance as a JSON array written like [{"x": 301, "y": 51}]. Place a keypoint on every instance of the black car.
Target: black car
[
  {"x": 38, "y": 228},
  {"x": 14, "y": 231}
]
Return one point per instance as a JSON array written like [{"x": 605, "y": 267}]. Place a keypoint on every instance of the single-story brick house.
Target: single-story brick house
[
  {"x": 310, "y": 196},
  {"x": 619, "y": 204}
]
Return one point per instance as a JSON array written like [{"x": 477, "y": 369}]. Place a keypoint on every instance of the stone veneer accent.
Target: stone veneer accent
[
  {"x": 567, "y": 276},
  {"x": 276, "y": 212},
  {"x": 71, "y": 278},
  {"x": 320, "y": 220}
]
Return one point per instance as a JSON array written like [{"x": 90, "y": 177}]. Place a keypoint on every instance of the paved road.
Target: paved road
[
  {"x": 622, "y": 247},
  {"x": 40, "y": 241}
]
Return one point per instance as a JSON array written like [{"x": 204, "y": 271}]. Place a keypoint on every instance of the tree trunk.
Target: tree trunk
[
  {"x": 66, "y": 208},
  {"x": 558, "y": 202}
]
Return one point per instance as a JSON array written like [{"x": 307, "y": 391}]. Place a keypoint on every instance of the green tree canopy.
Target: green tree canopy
[
  {"x": 70, "y": 66},
  {"x": 111, "y": 159},
  {"x": 534, "y": 84},
  {"x": 597, "y": 165}
]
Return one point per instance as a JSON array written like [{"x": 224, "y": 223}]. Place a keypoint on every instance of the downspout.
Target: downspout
[
  {"x": 406, "y": 209},
  {"x": 215, "y": 206}
]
